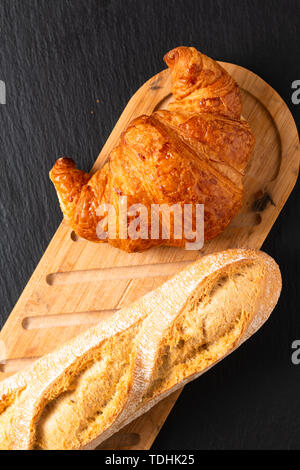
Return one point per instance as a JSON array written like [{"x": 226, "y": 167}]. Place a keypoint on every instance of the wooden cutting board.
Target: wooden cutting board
[{"x": 77, "y": 283}]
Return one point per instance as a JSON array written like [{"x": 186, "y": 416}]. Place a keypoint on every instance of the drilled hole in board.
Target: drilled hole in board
[
  {"x": 258, "y": 219},
  {"x": 73, "y": 236}
]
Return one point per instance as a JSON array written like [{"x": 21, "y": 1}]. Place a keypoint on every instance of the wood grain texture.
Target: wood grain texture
[{"x": 73, "y": 278}]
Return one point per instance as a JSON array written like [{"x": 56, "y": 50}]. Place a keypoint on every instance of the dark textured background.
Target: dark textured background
[{"x": 57, "y": 58}]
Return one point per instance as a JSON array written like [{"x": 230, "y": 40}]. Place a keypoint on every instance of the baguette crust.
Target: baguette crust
[{"x": 85, "y": 391}]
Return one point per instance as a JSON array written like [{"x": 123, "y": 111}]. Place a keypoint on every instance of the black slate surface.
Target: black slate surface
[{"x": 57, "y": 58}]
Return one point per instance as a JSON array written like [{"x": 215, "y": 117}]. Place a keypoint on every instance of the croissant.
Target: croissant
[{"x": 194, "y": 152}]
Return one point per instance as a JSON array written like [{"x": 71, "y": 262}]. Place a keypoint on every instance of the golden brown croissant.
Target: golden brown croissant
[{"x": 195, "y": 152}]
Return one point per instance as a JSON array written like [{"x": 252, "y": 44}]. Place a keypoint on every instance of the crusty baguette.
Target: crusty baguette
[{"x": 88, "y": 389}]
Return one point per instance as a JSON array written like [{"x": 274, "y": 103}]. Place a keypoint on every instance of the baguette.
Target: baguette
[{"x": 88, "y": 389}]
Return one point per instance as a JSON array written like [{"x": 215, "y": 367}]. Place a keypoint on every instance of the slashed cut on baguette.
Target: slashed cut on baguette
[{"x": 88, "y": 389}]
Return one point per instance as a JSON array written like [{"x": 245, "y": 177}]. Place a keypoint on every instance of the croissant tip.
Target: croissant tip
[
  {"x": 171, "y": 57},
  {"x": 65, "y": 162},
  {"x": 62, "y": 163}
]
